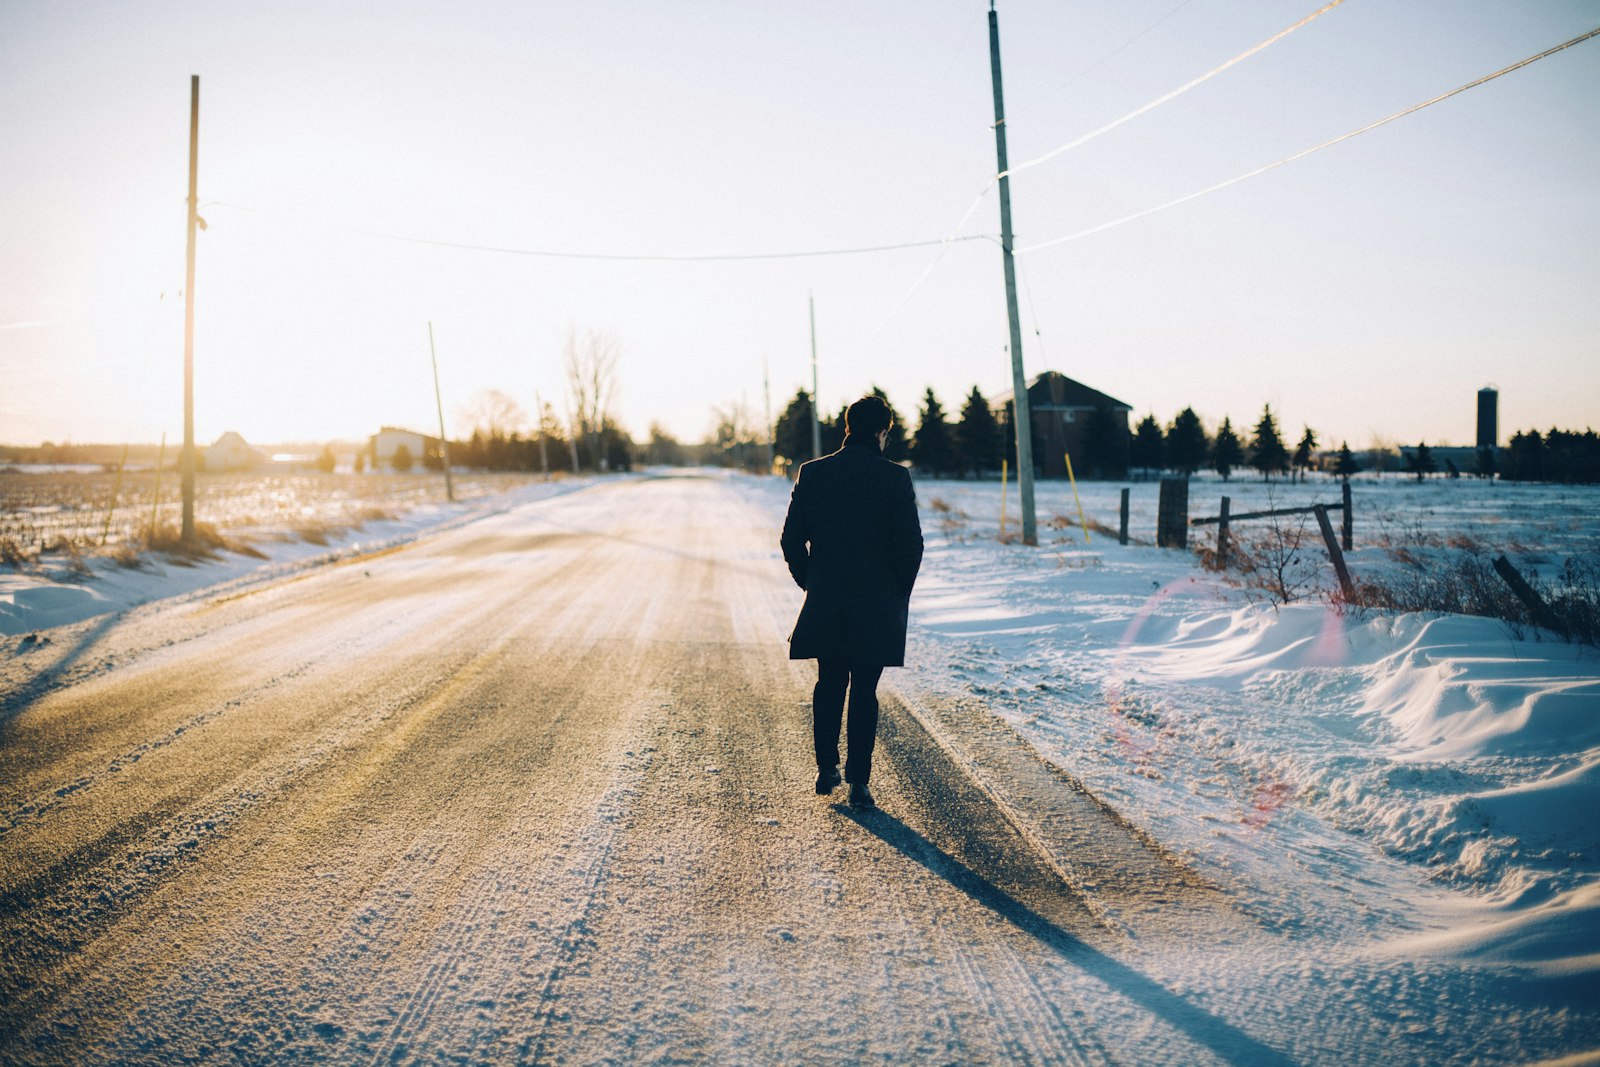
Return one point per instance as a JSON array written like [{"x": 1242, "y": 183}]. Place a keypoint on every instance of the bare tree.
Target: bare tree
[
  {"x": 737, "y": 434},
  {"x": 494, "y": 414},
  {"x": 1383, "y": 452},
  {"x": 591, "y": 363}
]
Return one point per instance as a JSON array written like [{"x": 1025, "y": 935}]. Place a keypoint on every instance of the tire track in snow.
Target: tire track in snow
[
  {"x": 597, "y": 844},
  {"x": 114, "y": 880},
  {"x": 938, "y": 798},
  {"x": 292, "y": 655}
]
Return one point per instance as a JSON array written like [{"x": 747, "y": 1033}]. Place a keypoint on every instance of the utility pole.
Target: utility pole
[
  {"x": 1019, "y": 382},
  {"x": 544, "y": 452},
  {"x": 186, "y": 466},
  {"x": 444, "y": 442},
  {"x": 816, "y": 401},
  {"x": 766, "y": 398}
]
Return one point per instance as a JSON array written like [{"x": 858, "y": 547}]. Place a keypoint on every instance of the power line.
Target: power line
[
  {"x": 1317, "y": 148},
  {"x": 1179, "y": 91},
  {"x": 944, "y": 246},
  {"x": 629, "y": 257},
  {"x": 1102, "y": 61}
]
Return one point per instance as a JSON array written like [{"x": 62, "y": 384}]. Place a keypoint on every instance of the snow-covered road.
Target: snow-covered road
[{"x": 536, "y": 789}]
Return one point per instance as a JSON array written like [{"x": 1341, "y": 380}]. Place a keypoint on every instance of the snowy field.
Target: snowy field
[
  {"x": 1415, "y": 789},
  {"x": 1418, "y": 785},
  {"x": 288, "y": 522},
  {"x": 87, "y": 505}
]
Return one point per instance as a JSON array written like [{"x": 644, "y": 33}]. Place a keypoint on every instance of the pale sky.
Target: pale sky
[{"x": 1369, "y": 289}]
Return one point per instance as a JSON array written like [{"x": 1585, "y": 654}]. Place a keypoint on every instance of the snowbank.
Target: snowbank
[
  {"x": 53, "y": 594},
  {"x": 1433, "y": 781}
]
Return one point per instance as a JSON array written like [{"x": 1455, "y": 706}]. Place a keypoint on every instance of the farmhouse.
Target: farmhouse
[
  {"x": 382, "y": 446},
  {"x": 1070, "y": 417},
  {"x": 230, "y": 452}
]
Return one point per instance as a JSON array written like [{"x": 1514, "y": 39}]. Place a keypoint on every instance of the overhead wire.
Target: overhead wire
[
  {"x": 944, "y": 246},
  {"x": 547, "y": 253},
  {"x": 1179, "y": 91},
  {"x": 1033, "y": 309},
  {"x": 1306, "y": 152},
  {"x": 955, "y": 234},
  {"x": 1102, "y": 61}
]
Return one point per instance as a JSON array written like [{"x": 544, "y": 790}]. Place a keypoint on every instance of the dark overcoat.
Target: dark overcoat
[{"x": 853, "y": 543}]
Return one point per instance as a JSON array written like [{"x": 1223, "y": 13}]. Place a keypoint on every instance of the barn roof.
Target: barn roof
[{"x": 1052, "y": 390}]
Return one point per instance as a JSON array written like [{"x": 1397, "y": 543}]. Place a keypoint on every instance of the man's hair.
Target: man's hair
[{"x": 870, "y": 415}]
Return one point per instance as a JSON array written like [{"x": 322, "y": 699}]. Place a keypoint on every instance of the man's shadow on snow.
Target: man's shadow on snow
[{"x": 1224, "y": 1040}]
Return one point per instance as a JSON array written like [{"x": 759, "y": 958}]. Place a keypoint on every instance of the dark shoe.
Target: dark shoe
[
  {"x": 826, "y": 780},
  {"x": 861, "y": 796}
]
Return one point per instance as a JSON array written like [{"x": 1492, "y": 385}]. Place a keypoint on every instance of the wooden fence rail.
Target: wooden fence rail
[{"x": 1225, "y": 519}]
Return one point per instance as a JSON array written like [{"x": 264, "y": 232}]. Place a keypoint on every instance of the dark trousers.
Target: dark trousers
[{"x": 827, "y": 708}]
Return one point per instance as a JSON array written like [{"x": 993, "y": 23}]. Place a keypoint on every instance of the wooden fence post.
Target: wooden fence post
[
  {"x": 155, "y": 501},
  {"x": 1222, "y": 535},
  {"x": 1528, "y": 595},
  {"x": 116, "y": 488},
  {"x": 1334, "y": 553},
  {"x": 1122, "y": 522},
  {"x": 1172, "y": 514},
  {"x": 1347, "y": 521},
  {"x": 1003, "y": 470}
]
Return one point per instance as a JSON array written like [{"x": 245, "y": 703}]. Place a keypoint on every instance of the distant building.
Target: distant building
[
  {"x": 1445, "y": 457},
  {"x": 1063, "y": 415},
  {"x": 1488, "y": 417},
  {"x": 382, "y": 446},
  {"x": 230, "y": 452}
]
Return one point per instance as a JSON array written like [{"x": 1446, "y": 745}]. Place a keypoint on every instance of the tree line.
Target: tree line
[
  {"x": 977, "y": 440},
  {"x": 1564, "y": 456}
]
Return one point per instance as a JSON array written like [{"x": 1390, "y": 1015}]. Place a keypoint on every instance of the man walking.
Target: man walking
[{"x": 853, "y": 543}]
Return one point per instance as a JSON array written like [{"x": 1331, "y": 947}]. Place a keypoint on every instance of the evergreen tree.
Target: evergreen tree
[
  {"x": 1227, "y": 453},
  {"x": 472, "y": 452},
  {"x": 616, "y": 447},
  {"x": 932, "y": 450},
  {"x": 432, "y": 456},
  {"x": 1105, "y": 444},
  {"x": 1346, "y": 464},
  {"x": 1421, "y": 462},
  {"x": 664, "y": 449},
  {"x": 833, "y": 431},
  {"x": 552, "y": 446},
  {"x": 1524, "y": 458},
  {"x": 978, "y": 435},
  {"x": 1268, "y": 454},
  {"x": 1572, "y": 457},
  {"x": 895, "y": 448},
  {"x": 326, "y": 461},
  {"x": 1149, "y": 448},
  {"x": 1008, "y": 434},
  {"x": 1186, "y": 443},
  {"x": 402, "y": 460},
  {"x": 792, "y": 433},
  {"x": 1304, "y": 450}
]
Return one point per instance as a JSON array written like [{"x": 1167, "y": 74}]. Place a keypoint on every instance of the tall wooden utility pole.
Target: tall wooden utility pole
[
  {"x": 187, "y": 463},
  {"x": 766, "y": 403},
  {"x": 544, "y": 452},
  {"x": 444, "y": 442},
  {"x": 816, "y": 401},
  {"x": 1020, "y": 418}
]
